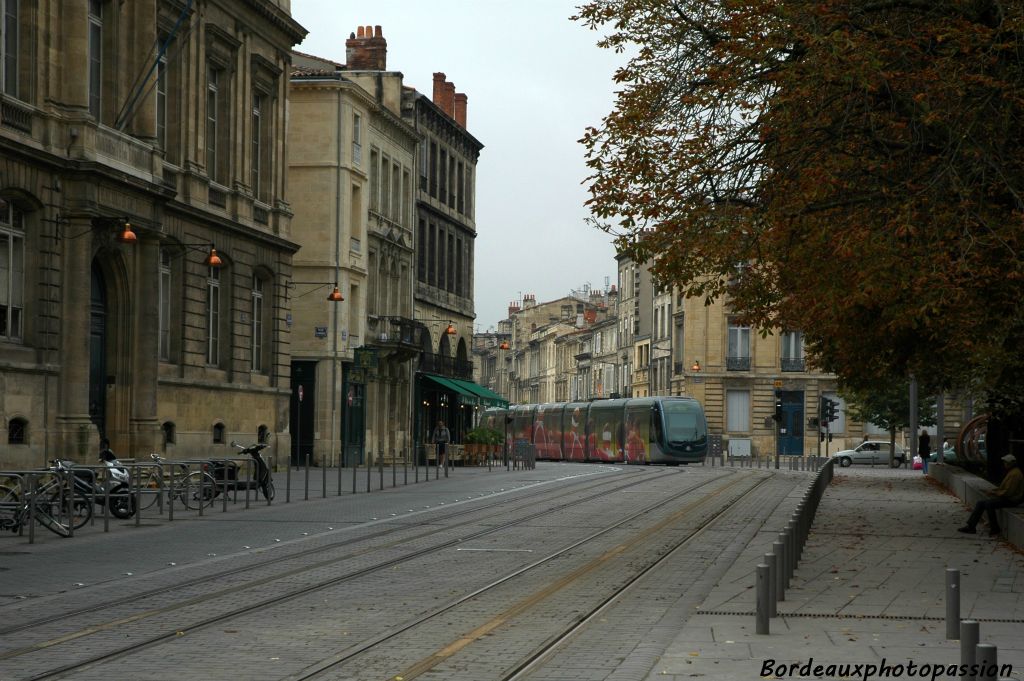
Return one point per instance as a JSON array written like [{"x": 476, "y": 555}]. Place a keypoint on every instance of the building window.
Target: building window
[
  {"x": 737, "y": 408},
  {"x": 451, "y": 182},
  {"x": 257, "y": 323},
  {"x": 423, "y": 169},
  {"x": 421, "y": 253},
  {"x": 374, "y": 181},
  {"x": 738, "y": 357},
  {"x": 458, "y": 268},
  {"x": 357, "y": 138},
  {"x": 161, "y": 102},
  {"x": 9, "y": 73},
  {"x": 396, "y": 193},
  {"x": 793, "y": 351},
  {"x": 17, "y": 431},
  {"x": 165, "y": 304},
  {"x": 385, "y": 186},
  {"x": 213, "y": 316},
  {"x": 460, "y": 183},
  {"x": 218, "y": 433},
  {"x": 257, "y": 134},
  {"x": 12, "y": 271},
  {"x": 216, "y": 134},
  {"x": 95, "y": 57},
  {"x": 170, "y": 432},
  {"x": 443, "y": 173},
  {"x": 432, "y": 255},
  {"x": 263, "y": 434},
  {"x": 433, "y": 169}
]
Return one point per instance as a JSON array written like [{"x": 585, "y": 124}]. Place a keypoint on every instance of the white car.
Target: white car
[{"x": 871, "y": 452}]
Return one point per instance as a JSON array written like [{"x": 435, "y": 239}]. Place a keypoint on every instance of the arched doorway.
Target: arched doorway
[{"x": 98, "y": 350}]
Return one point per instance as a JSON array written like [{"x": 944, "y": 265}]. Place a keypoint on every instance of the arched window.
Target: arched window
[
  {"x": 218, "y": 433},
  {"x": 263, "y": 434},
  {"x": 170, "y": 432},
  {"x": 17, "y": 431}
]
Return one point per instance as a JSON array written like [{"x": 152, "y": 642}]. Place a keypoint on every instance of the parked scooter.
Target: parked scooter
[
  {"x": 226, "y": 472},
  {"x": 117, "y": 487}
]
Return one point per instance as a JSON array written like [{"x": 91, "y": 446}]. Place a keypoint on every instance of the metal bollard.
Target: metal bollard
[
  {"x": 952, "y": 604},
  {"x": 405, "y": 468},
  {"x": 985, "y": 657},
  {"x": 790, "y": 553},
  {"x": 287, "y": 482},
  {"x": 969, "y": 635},
  {"x": 307, "y": 474},
  {"x": 380, "y": 467},
  {"x": 762, "y": 599},
  {"x": 338, "y": 461},
  {"x": 323, "y": 477},
  {"x": 369, "y": 455},
  {"x": 769, "y": 560},
  {"x": 779, "y": 549}
]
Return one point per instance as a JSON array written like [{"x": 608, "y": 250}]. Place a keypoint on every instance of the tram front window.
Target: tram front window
[{"x": 683, "y": 422}]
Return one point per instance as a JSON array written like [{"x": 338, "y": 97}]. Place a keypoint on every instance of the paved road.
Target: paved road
[{"x": 664, "y": 593}]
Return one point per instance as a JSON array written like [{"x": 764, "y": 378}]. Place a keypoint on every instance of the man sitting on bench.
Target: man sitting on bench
[{"x": 1009, "y": 493}]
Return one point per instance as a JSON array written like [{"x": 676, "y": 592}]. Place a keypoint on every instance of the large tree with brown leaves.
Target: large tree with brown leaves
[{"x": 846, "y": 167}]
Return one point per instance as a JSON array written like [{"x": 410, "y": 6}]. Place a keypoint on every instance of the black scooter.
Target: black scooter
[{"x": 226, "y": 473}]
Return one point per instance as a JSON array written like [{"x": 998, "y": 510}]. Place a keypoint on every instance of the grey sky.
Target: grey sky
[{"x": 534, "y": 80}]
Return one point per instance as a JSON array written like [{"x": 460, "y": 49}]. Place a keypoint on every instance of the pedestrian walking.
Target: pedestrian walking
[
  {"x": 1009, "y": 493},
  {"x": 441, "y": 437},
  {"x": 924, "y": 449}
]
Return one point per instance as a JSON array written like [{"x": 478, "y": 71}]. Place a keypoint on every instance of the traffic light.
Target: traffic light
[
  {"x": 830, "y": 410},
  {"x": 778, "y": 410}
]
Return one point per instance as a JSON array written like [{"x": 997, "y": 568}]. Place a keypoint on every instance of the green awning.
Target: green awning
[
  {"x": 465, "y": 395},
  {"x": 487, "y": 396}
]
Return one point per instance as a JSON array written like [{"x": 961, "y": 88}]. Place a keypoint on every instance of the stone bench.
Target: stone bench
[{"x": 970, "y": 489}]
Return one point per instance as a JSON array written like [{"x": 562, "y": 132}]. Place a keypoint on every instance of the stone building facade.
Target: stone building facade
[
  {"x": 353, "y": 158},
  {"x": 170, "y": 116},
  {"x": 445, "y": 223}
]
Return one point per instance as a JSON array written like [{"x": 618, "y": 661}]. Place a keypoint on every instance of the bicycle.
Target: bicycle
[
  {"x": 43, "y": 510},
  {"x": 51, "y": 489},
  {"x": 195, "y": 488}
]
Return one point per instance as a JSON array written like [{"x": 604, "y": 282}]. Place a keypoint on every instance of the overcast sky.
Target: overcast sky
[{"x": 535, "y": 80}]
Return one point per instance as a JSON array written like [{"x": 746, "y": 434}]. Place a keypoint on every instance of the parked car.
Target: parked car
[
  {"x": 871, "y": 452},
  {"x": 948, "y": 455}
]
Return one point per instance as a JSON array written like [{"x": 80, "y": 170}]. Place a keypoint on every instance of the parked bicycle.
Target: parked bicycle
[
  {"x": 72, "y": 503},
  {"x": 15, "y": 511},
  {"x": 193, "y": 488}
]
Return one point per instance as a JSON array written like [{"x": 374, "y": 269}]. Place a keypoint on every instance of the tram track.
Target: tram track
[
  {"x": 464, "y": 640},
  {"x": 598, "y": 490},
  {"x": 499, "y": 506}
]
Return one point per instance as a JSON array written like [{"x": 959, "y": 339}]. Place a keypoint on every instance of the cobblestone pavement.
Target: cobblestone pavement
[{"x": 869, "y": 588}]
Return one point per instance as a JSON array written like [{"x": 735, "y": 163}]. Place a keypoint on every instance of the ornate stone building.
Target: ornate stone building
[
  {"x": 353, "y": 159},
  {"x": 167, "y": 115}
]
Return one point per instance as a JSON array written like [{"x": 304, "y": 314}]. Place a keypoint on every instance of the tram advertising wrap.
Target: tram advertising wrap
[{"x": 669, "y": 430}]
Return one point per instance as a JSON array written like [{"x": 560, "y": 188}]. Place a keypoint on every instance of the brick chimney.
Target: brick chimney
[
  {"x": 460, "y": 108},
  {"x": 366, "y": 50}
]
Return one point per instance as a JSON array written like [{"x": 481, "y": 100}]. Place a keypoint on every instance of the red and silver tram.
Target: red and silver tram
[{"x": 669, "y": 430}]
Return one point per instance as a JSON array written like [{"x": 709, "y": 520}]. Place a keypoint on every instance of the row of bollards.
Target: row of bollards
[
  {"x": 779, "y": 566},
  {"x": 979, "y": 660},
  {"x": 793, "y": 463}
]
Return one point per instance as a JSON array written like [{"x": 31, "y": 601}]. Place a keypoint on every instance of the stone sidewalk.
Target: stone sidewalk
[{"x": 870, "y": 589}]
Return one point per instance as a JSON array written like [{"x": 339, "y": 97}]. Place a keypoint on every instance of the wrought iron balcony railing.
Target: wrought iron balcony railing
[
  {"x": 793, "y": 364},
  {"x": 446, "y": 366},
  {"x": 737, "y": 363}
]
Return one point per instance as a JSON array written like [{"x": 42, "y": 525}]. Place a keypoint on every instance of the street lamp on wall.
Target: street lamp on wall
[
  {"x": 333, "y": 297},
  {"x": 696, "y": 365}
]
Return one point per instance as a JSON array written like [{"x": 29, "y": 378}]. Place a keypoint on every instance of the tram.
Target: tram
[{"x": 639, "y": 430}]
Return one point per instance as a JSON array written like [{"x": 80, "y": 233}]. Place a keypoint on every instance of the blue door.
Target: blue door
[{"x": 791, "y": 428}]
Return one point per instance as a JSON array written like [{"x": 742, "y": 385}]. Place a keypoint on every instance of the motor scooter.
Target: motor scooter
[
  {"x": 226, "y": 472},
  {"x": 117, "y": 486}
]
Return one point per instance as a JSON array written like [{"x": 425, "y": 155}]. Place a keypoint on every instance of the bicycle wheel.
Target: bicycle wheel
[
  {"x": 45, "y": 510},
  {"x": 9, "y": 495},
  {"x": 152, "y": 487},
  {"x": 77, "y": 507},
  {"x": 198, "y": 489},
  {"x": 268, "y": 490}
]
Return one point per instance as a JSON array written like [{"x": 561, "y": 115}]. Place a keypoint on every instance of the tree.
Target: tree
[
  {"x": 888, "y": 406},
  {"x": 849, "y": 168}
]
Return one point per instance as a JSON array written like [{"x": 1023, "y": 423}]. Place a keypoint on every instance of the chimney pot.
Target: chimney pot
[
  {"x": 377, "y": 33},
  {"x": 359, "y": 32},
  {"x": 448, "y": 100}
]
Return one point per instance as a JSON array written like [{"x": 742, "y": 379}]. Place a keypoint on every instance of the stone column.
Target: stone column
[
  {"x": 75, "y": 431},
  {"x": 145, "y": 319},
  {"x": 143, "y": 117}
]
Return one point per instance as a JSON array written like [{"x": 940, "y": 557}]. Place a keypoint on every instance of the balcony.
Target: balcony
[
  {"x": 396, "y": 336},
  {"x": 446, "y": 366},
  {"x": 793, "y": 364},
  {"x": 16, "y": 115},
  {"x": 737, "y": 363}
]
